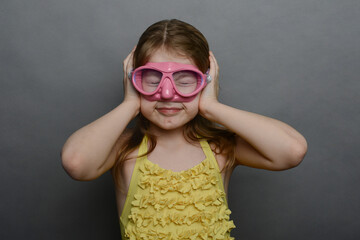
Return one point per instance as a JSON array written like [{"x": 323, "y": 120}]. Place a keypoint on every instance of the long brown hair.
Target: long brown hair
[{"x": 184, "y": 39}]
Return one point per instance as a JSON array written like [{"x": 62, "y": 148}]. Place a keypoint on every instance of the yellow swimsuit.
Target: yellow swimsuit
[{"x": 162, "y": 204}]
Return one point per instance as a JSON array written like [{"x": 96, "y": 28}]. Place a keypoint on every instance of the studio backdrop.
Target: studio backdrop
[{"x": 296, "y": 61}]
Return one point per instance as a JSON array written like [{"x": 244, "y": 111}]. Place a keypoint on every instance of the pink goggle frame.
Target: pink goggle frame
[{"x": 169, "y": 81}]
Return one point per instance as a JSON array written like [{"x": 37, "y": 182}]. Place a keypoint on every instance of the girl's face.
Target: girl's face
[{"x": 164, "y": 114}]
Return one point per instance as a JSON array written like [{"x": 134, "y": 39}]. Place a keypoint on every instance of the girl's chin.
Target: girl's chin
[{"x": 168, "y": 125}]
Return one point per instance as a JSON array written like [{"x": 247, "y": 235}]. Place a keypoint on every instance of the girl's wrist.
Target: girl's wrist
[
  {"x": 209, "y": 109},
  {"x": 132, "y": 106}
]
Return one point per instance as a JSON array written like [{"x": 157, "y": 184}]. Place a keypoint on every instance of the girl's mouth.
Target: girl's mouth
[{"x": 168, "y": 110}]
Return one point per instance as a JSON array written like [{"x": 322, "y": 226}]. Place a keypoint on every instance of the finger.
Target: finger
[
  {"x": 215, "y": 63},
  {"x": 132, "y": 56},
  {"x": 212, "y": 63},
  {"x": 213, "y": 66},
  {"x": 214, "y": 70},
  {"x": 128, "y": 59},
  {"x": 128, "y": 62}
]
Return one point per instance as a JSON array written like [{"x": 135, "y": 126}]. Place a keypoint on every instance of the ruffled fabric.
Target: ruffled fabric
[{"x": 179, "y": 205}]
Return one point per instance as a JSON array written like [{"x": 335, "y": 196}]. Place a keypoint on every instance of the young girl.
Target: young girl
[{"x": 173, "y": 168}]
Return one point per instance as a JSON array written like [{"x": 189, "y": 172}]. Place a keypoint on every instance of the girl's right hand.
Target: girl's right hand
[{"x": 130, "y": 94}]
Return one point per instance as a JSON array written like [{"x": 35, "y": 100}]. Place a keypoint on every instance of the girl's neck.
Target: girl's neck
[{"x": 164, "y": 136}]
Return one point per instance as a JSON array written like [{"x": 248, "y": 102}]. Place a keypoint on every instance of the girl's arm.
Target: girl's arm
[
  {"x": 262, "y": 142},
  {"x": 92, "y": 150}
]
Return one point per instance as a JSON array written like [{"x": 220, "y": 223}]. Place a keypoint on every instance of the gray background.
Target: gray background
[{"x": 297, "y": 61}]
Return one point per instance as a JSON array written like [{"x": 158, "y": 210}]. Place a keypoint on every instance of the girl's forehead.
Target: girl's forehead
[{"x": 163, "y": 55}]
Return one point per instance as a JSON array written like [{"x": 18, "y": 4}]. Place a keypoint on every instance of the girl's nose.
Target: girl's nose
[{"x": 167, "y": 91}]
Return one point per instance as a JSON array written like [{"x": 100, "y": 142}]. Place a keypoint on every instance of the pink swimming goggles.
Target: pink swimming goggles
[{"x": 169, "y": 81}]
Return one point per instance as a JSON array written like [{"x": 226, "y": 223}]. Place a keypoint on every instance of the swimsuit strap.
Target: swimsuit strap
[
  {"x": 134, "y": 180},
  {"x": 210, "y": 155},
  {"x": 143, "y": 147}
]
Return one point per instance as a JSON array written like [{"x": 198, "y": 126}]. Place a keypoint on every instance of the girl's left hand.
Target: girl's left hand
[{"x": 209, "y": 94}]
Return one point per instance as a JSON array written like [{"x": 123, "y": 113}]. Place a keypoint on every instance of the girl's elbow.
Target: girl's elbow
[
  {"x": 75, "y": 167},
  {"x": 293, "y": 158},
  {"x": 298, "y": 152}
]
